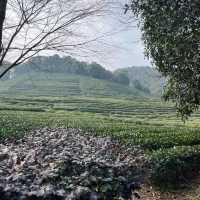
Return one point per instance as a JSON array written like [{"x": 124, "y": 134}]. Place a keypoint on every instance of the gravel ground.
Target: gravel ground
[{"x": 64, "y": 164}]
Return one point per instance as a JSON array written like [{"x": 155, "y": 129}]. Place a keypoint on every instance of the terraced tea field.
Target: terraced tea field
[
  {"x": 59, "y": 85},
  {"x": 149, "y": 123},
  {"x": 127, "y": 118}
]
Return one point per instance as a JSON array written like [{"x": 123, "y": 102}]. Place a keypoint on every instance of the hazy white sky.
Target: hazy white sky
[
  {"x": 129, "y": 51},
  {"x": 119, "y": 41},
  {"x": 123, "y": 47}
]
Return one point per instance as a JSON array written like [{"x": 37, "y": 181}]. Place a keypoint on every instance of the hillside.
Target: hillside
[
  {"x": 59, "y": 84},
  {"x": 144, "y": 78},
  {"x": 69, "y": 65},
  {"x": 66, "y": 76}
]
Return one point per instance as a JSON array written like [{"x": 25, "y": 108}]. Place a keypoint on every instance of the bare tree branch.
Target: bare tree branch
[
  {"x": 3, "y": 4},
  {"x": 41, "y": 25}
]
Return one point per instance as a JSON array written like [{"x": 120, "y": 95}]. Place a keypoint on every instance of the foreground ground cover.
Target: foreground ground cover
[
  {"x": 64, "y": 164},
  {"x": 147, "y": 123}
]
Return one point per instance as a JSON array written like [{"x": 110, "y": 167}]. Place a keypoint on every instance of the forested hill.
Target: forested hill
[
  {"x": 48, "y": 75},
  {"x": 144, "y": 78},
  {"x": 69, "y": 65}
]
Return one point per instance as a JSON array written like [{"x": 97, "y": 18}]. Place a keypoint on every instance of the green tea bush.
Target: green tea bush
[{"x": 174, "y": 166}]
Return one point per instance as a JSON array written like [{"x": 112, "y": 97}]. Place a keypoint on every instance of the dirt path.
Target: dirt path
[{"x": 151, "y": 193}]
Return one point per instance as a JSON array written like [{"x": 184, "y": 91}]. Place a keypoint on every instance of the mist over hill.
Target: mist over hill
[
  {"x": 61, "y": 76},
  {"x": 145, "y": 78},
  {"x": 69, "y": 65}
]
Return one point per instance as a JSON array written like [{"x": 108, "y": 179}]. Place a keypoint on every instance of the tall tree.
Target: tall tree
[
  {"x": 3, "y": 4},
  {"x": 28, "y": 27},
  {"x": 171, "y": 33}
]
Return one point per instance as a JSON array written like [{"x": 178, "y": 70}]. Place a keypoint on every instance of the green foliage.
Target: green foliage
[
  {"x": 67, "y": 65},
  {"x": 61, "y": 84},
  {"x": 176, "y": 165},
  {"x": 196, "y": 198},
  {"x": 149, "y": 123},
  {"x": 171, "y": 33},
  {"x": 144, "y": 122},
  {"x": 147, "y": 79},
  {"x": 121, "y": 77},
  {"x": 139, "y": 86},
  {"x": 137, "y": 80}
]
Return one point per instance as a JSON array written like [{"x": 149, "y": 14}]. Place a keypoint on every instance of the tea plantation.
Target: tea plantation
[{"x": 173, "y": 146}]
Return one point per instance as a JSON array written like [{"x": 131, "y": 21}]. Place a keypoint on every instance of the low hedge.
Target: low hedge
[{"x": 174, "y": 166}]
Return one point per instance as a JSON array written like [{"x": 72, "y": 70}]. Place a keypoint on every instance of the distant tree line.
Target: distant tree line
[{"x": 57, "y": 64}]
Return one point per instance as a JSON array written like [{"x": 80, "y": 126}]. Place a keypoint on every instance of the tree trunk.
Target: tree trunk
[{"x": 3, "y": 4}]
